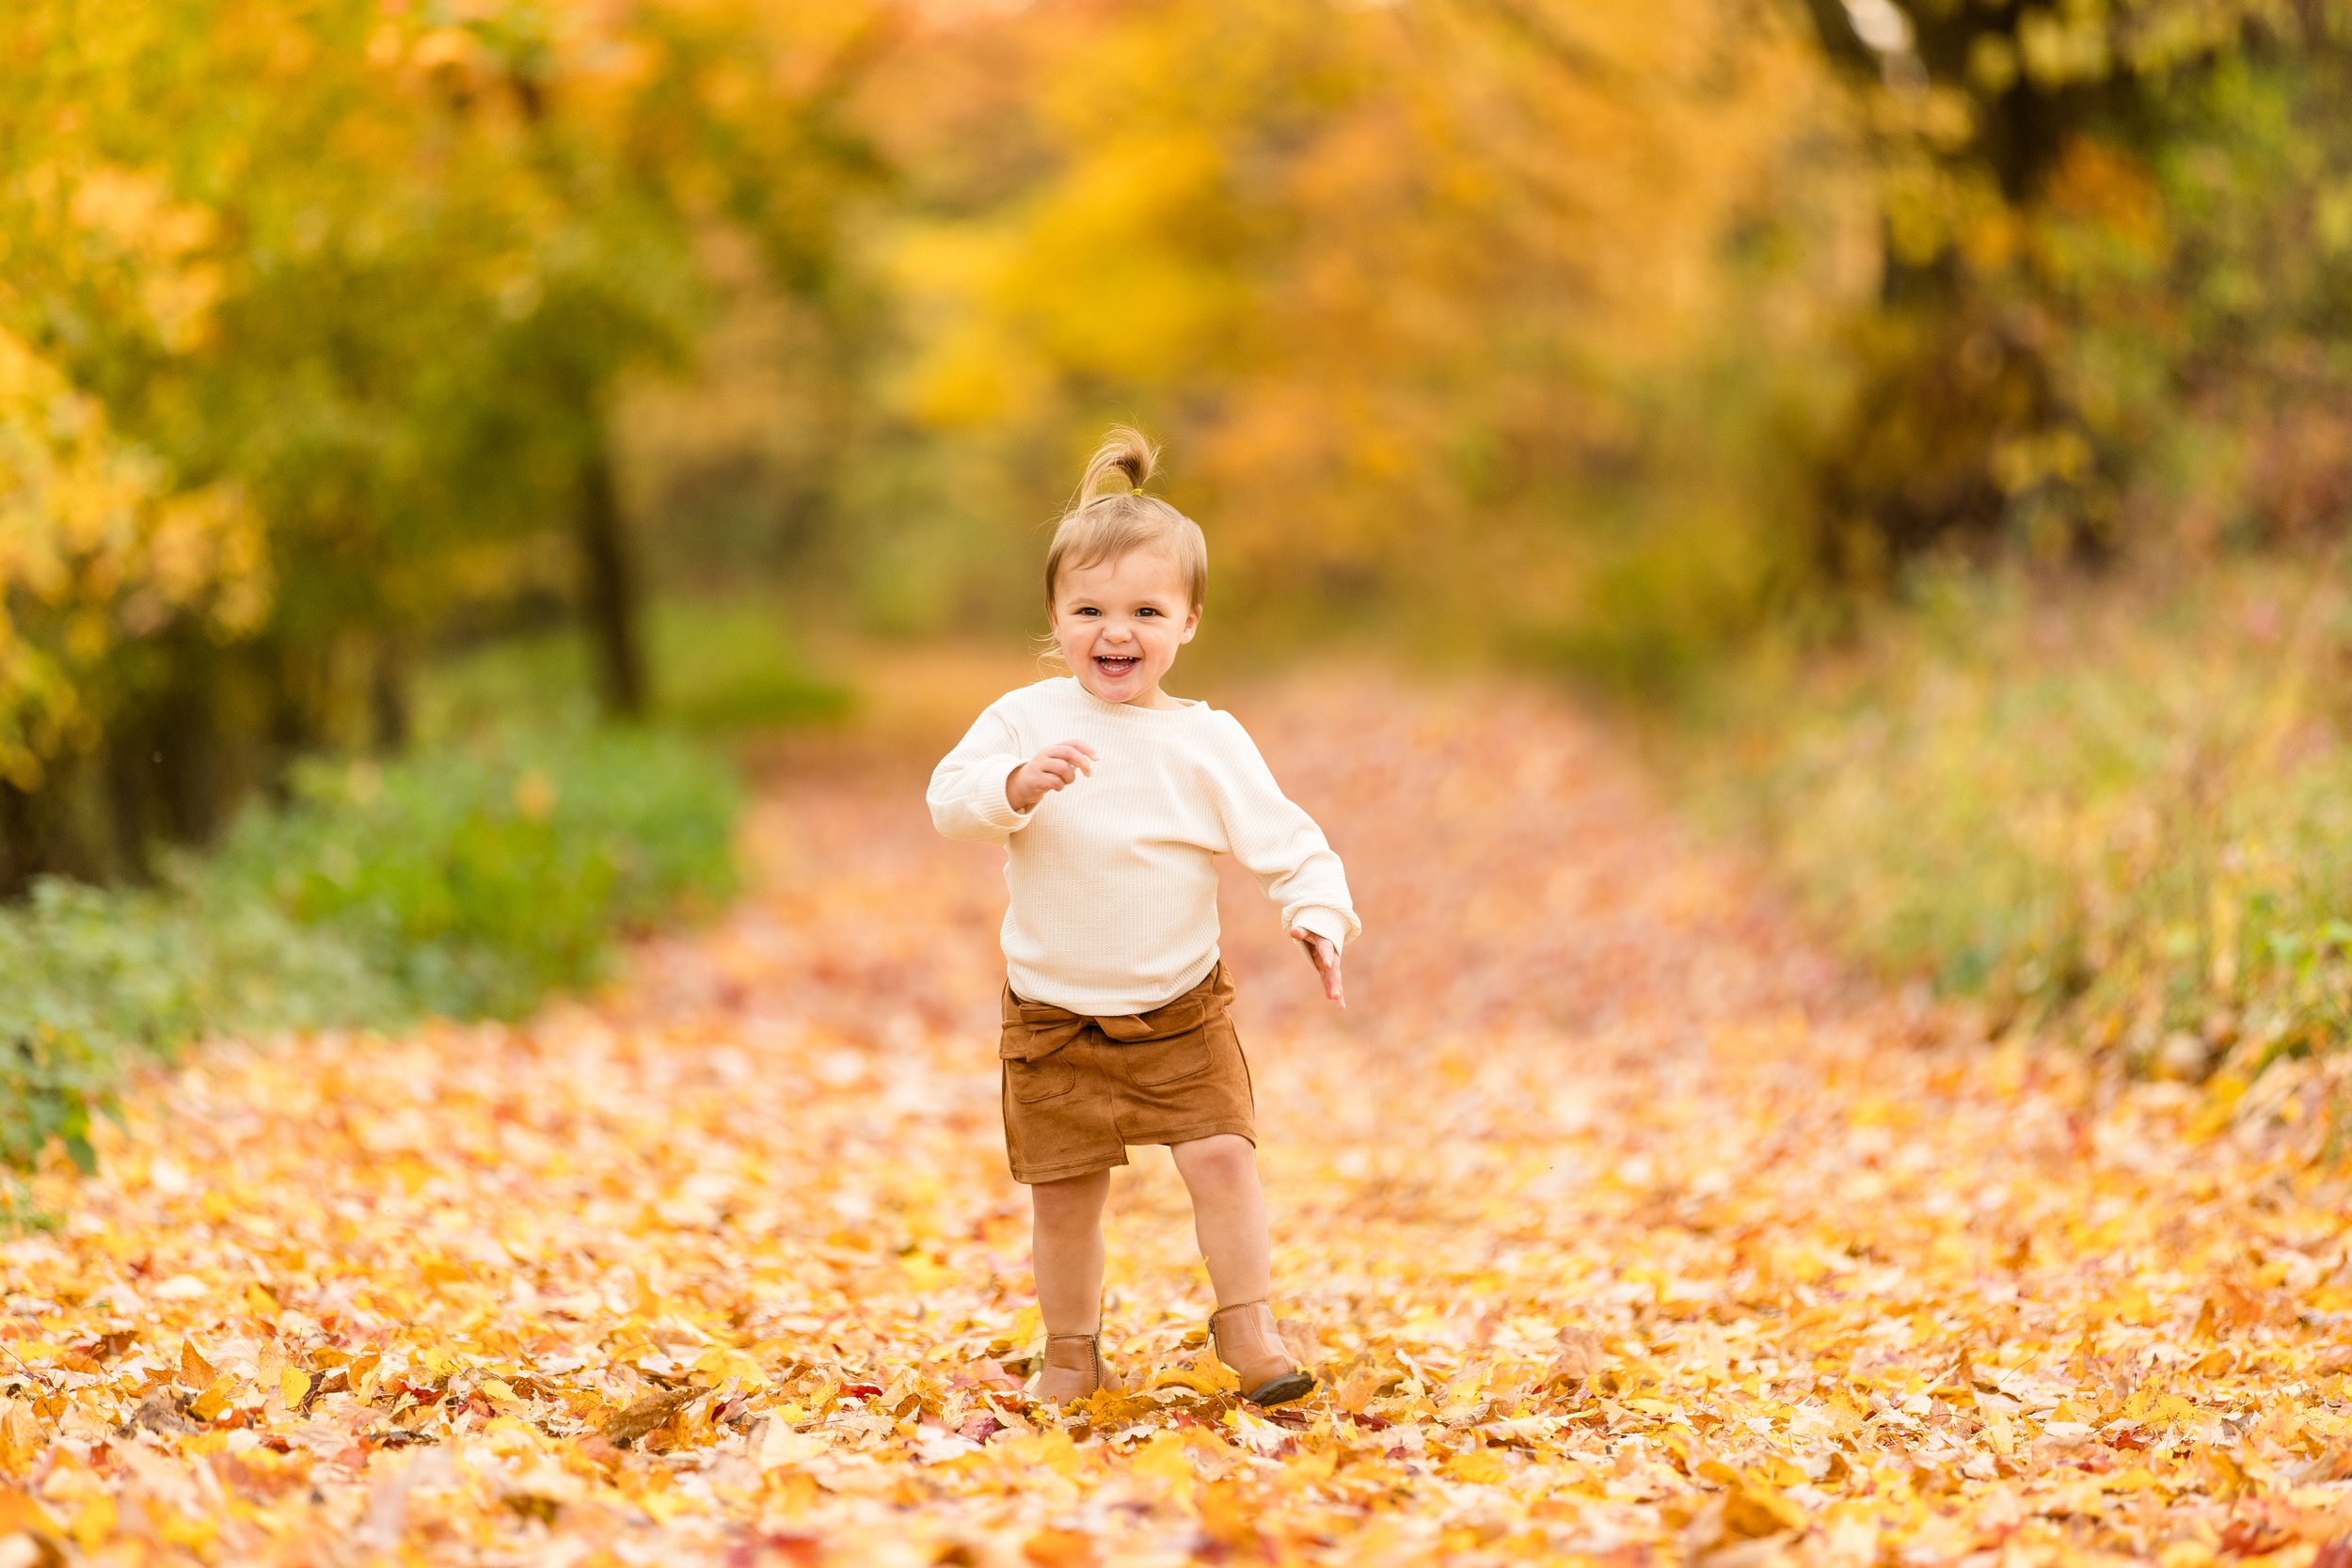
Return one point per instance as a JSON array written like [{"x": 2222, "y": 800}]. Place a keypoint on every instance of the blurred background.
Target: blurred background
[{"x": 1927, "y": 419}]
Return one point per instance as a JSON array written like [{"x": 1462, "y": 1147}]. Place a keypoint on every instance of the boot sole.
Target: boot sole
[{"x": 1282, "y": 1391}]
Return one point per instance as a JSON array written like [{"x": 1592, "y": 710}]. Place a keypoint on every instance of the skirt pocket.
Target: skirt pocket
[
  {"x": 1032, "y": 1082},
  {"x": 1149, "y": 1063}
]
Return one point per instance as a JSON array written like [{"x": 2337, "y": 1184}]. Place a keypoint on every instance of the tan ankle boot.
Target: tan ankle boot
[
  {"x": 1072, "y": 1368},
  {"x": 1246, "y": 1340}
]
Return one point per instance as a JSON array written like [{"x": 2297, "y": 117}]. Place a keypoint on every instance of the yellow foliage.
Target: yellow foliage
[
  {"x": 1480, "y": 1466},
  {"x": 1377, "y": 273},
  {"x": 97, "y": 550}
]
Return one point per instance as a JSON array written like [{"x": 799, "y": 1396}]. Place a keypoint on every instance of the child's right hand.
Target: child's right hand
[{"x": 1058, "y": 767}]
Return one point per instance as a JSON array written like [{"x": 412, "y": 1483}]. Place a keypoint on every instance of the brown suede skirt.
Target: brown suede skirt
[{"x": 1078, "y": 1090}]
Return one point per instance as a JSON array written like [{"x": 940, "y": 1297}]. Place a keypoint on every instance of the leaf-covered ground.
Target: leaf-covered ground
[{"x": 1630, "y": 1229}]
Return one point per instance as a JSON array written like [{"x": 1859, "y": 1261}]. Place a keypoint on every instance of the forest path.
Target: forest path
[{"x": 1627, "y": 1223}]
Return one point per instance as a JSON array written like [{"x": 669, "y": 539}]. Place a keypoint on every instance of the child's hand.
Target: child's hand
[
  {"x": 1325, "y": 958},
  {"x": 1058, "y": 767}
]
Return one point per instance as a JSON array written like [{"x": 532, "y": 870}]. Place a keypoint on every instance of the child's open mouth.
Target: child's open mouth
[{"x": 1117, "y": 664}]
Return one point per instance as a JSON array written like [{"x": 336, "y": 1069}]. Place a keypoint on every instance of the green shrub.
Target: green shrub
[
  {"x": 2126, "y": 812},
  {"x": 478, "y": 880},
  {"x": 465, "y": 881}
]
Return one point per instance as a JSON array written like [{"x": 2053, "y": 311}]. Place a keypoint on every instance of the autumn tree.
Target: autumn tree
[
  {"x": 371, "y": 274},
  {"x": 2113, "y": 244},
  {"x": 1399, "y": 284}
]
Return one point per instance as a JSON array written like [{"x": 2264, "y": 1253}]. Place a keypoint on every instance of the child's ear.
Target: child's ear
[{"x": 1192, "y": 623}]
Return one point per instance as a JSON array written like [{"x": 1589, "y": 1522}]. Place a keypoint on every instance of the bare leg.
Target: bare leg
[
  {"x": 1227, "y": 1216},
  {"x": 1066, "y": 1250}
]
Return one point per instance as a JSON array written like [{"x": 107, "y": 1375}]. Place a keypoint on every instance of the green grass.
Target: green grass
[
  {"x": 468, "y": 881},
  {"x": 732, "y": 666},
  {"x": 718, "y": 667},
  {"x": 2120, "y": 812},
  {"x": 478, "y": 880}
]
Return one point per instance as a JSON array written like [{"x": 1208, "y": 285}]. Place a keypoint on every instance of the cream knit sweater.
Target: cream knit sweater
[{"x": 1113, "y": 879}]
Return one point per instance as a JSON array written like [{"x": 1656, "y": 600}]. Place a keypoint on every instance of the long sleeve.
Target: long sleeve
[
  {"x": 967, "y": 789},
  {"x": 1280, "y": 844},
  {"x": 1111, "y": 882}
]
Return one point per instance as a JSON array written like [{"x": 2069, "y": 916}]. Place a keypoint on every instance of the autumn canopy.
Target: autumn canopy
[{"x": 334, "y": 334}]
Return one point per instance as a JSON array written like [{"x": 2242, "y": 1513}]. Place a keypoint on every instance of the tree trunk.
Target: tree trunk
[
  {"x": 56, "y": 829},
  {"x": 387, "y": 697},
  {"x": 195, "y": 775},
  {"x": 131, "y": 762},
  {"x": 609, "y": 589}
]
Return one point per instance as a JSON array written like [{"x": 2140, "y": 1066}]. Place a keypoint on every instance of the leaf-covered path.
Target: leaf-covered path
[{"x": 1628, "y": 1227}]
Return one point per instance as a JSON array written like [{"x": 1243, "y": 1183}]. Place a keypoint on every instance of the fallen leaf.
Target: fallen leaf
[
  {"x": 1059, "y": 1548},
  {"x": 160, "y": 1412},
  {"x": 647, "y": 1414},
  {"x": 1581, "y": 1354},
  {"x": 779, "y": 1445}
]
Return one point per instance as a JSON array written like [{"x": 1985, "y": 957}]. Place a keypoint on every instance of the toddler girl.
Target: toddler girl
[{"x": 1112, "y": 799}]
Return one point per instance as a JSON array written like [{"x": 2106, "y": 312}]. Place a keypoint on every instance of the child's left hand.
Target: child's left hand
[{"x": 1325, "y": 958}]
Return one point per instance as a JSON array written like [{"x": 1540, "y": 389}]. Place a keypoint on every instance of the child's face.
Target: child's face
[{"x": 1120, "y": 623}]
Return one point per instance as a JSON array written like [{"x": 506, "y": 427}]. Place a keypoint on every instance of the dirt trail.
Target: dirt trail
[{"x": 1630, "y": 1228}]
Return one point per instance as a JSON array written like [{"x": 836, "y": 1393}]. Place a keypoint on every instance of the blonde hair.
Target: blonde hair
[{"x": 1106, "y": 524}]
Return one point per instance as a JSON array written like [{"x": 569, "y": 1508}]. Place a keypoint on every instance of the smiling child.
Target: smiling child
[{"x": 1113, "y": 799}]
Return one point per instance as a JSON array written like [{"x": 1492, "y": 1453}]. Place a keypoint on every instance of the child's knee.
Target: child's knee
[
  {"x": 1075, "y": 1198},
  {"x": 1227, "y": 1159}
]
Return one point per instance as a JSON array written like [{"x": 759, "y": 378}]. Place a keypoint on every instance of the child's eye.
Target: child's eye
[
  {"x": 1147, "y": 609},
  {"x": 1089, "y": 609}
]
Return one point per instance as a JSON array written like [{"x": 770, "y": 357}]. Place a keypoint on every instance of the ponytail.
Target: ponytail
[
  {"x": 1111, "y": 516},
  {"x": 1125, "y": 451}
]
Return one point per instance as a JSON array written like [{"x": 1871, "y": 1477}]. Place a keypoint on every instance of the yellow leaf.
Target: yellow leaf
[
  {"x": 1478, "y": 1467},
  {"x": 93, "y": 1522},
  {"x": 507, "y": 1435},
  {"x": 1310, "y": 1465},
  {"x": 724, "y": 1362},
  {"x": 780, "y": 1446},
  {"x": 1197, "y": 1380},
  {"x": 1058, "y": 1548},
  {"x": 1165, "y": 1456},
  {"x": 214, "y": 1400},
  {"x": 186, "y": 1530},
  {"x": 19, "y": 1511},
  {"x": 293, "y": 1385},
  {"x": 1052, "y": 1450},
  {"x": 20, "y": 1436},
  {"x": 1753, "y": 1511}
]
